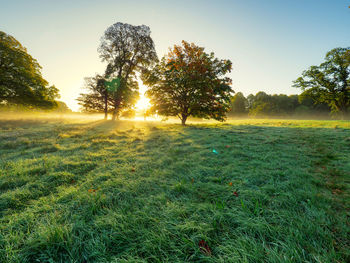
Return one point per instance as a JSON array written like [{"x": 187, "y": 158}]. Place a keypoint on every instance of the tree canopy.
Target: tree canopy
[
  {"x": 21, "y": 81},
  {"x": 189, "y": 82},
  {"x": 96, "y": 100},
  {"x": 238, "y": 105},
  {"x": 330, "y": 81},
  {"x": 127, "y": 49}
]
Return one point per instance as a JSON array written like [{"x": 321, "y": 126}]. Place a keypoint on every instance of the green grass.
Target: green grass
[{"x": 95, "y": 191}]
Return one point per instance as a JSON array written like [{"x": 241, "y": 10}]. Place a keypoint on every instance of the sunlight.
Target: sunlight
[{"x": 143, "y": 103}]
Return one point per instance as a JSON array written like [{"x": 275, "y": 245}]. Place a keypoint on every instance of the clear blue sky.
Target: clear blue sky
[{"x": 269, "y": 42}]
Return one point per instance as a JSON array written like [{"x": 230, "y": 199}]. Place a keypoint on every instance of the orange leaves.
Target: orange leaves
[{"x": 191, "y": 82}]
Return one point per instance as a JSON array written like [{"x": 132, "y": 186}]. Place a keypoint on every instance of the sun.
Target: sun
[{"x": 143, "y": 103}]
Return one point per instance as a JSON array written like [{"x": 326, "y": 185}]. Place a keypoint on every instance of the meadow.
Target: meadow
[{"x": 127, "y": 191}]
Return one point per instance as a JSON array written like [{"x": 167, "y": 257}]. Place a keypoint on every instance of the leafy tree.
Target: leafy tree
[
  {"x": 238, "y": 105},
  {"x": 127, "y": 49},
  {"x": 189, "y": 82},
  {"x": 96, "y": 100},
  {"x": 313, "y": 106},
  {"x": 329, "y": 82},
  {"x": 21, "y": 81},
  {"x": 261, "y": 105}
]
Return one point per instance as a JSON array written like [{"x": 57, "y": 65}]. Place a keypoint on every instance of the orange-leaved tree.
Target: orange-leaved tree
[{"x": 189, "y": 82}]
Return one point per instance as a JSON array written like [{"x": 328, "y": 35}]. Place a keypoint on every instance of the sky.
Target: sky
[{"x": 269, "y": 42}]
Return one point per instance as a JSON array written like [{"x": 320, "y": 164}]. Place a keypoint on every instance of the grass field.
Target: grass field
[{"x": 101, "y": 191}]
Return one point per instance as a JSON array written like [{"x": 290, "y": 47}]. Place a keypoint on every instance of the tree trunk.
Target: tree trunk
[
  {"x": 115, "y": 114},
  {"x": 344, "y": 113},
  {"x": 116, "y": 111},
  {"x": 342, "y": 109},
  {"x": 183, "y": 119},
  {"x": 106, "y": 107}
]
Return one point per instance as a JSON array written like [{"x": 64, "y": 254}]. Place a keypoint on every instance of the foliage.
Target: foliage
[
  {"x": 330, "y": 81},
  {"x": 272, "y": 105},
  {"x": 189, "y": 82},
  {"x": 127, "y": 49},
  {"x": 62, "y": 107},
  {"x": 96, "y": 100},
  {"x": 281, "y": 105},
  {"x": 21, "y": 81},
  {"x": 238, "y": 105},
  {"x": 140, "y": 192}
]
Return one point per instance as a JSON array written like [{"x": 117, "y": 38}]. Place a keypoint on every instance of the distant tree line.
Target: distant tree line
[
  {"x": 277, "y": 105},
  {"x": 60, "y": 107}
]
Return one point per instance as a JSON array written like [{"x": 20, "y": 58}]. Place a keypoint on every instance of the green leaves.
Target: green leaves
[
  {"x": 21, "y": 81},
  {"x": 329, "y": 82}
]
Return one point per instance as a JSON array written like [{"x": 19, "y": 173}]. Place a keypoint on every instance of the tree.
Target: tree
[
  {"x": 261, "y": 105},
  {"x": 96, "y": 100},
  {"x": 127, "y": 49},
  {"x": 329, "y": 82},
  {"x": 238, "y": 105},
  {"x": 21, "y": 81},
  {"x": 189, "y": 82}
]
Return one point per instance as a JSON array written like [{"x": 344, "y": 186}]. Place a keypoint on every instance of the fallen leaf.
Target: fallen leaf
[
  {"x": 203, "y": 246},
  {"x": 336, "y": 191}
]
